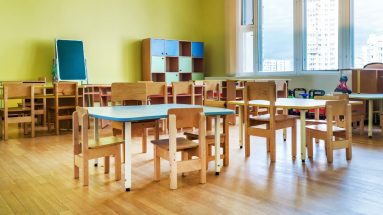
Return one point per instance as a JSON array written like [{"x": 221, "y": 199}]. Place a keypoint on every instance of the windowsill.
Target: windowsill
[{"x": 288, "y": 74}]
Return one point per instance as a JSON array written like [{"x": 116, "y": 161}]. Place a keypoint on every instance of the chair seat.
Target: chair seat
[
  {"x": 182, "y": 143},
  {"x": 104, "y": 142},
  {"x": 278, "y": 118},
  {"x": 323, "y": 128}
]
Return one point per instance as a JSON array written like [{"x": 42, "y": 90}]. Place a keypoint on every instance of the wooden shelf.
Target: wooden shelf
[
  {"x": 185, "y": 48},
  {"x": 158, "y": 77},
  {"x": 198, "y": 65},
  {"x": 172, "y": 64}
]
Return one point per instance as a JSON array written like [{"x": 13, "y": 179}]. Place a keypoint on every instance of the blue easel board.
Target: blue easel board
[{"x": 70, "y": 60}]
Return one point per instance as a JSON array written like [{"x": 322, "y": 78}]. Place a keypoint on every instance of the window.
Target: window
[
  {"x": 301, "y": 36},
  {"x": 277, "y": 41},
  {"x": 247, "y": 32},
  {"x": 368, "y": 32},
  {"x": 247, "y": 12},
  {"x": 321, "y": 34}
]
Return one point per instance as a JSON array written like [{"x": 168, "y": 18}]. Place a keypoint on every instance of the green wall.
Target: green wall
[{"x": 112, "y": 32}]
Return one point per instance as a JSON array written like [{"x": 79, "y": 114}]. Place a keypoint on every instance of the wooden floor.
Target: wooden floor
[{"x": 36, "y": 178}]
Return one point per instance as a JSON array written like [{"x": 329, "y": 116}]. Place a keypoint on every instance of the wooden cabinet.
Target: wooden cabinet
[
  {"x": 172, "y": 60},
  {"x": 367, "y": 81}
]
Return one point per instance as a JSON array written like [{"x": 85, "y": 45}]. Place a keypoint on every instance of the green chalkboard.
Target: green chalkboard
[{"x": 70, "y": 60}]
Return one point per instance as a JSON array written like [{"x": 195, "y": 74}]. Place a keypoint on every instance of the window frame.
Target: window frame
[{"x": 345, "y": 41}]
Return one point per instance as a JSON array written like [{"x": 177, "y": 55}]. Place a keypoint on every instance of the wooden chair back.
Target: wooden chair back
[
  {"x": 211, "y": 86},
  {"x": 281, "y": 88},
  {"x": 65, "y": 89},
  {"x": 183, "y": 88},
  {"x": 80, "y": 130},
  {"x": 17, "y": 90},
  {"x": 157, "y": 89},
  {"x": 186, "y": 117},
  {"x": 340, "y": 111},
  {"x": 125, "y": 92},
  {"x": 215, "y": 103},
  {"x": 260, "y": 91}
]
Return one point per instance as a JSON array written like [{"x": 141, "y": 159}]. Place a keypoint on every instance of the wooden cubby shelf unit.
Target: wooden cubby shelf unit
[{"x": 166, "y": 60}]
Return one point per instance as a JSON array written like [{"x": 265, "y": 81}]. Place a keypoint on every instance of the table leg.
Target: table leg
[
  {"x": 303, "y": 135},
  {"x": 217, "y": 144},
  {"x": 317, "y": 118},
  {"x": 96, "y": 136},
  {"x": 370, "y": 114},
  {"x": 128, "y": 156},
  {"x": 285, "y": 112},
  {"x": 240, "y": 135}
]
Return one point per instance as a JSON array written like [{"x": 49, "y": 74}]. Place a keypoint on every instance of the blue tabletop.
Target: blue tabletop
[{"x": 146, "y": 112}]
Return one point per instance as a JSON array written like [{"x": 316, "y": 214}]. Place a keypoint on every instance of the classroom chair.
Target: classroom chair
[
  {"x": 336, "y": 136},
  {"x": 132, "y": 94},
  {"x": 157, "y": 93},
  {"x": 211, "y": 90},
  {"x": 357, "y": 116},
  {"x": 167, "y": 148},
  {"x": 210, "y": 137},
  {"x": 40, "y": 103},
  {"x": 9, "y": 114},
  {"x": 85, "y": 149},
  {"x": 65, "y": 103},
  {"x": 183, "y": 89},
  {"x": 273, "y": 122}
]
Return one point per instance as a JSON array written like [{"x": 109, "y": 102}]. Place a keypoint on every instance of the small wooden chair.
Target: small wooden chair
[
  {"x": 85, "y": 149},
  {"x": 63, "y": 109},
  {"x": 266, "y": 91},
  {"x": 211, "y": 90},
  {"x": 336, "y": 136},
  {"x": 210, "y": 137},
  {"x": 156, "y": 90},
  {"x": 357, "y": 116},
  {"x": 183, "y": 88},
  {"x": 132, "y": 94},
  {"x": 167, "y": 148},
  {"x": 8, "y": 114}
]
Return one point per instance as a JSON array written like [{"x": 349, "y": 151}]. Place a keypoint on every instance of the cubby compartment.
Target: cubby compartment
[
  {"x": 172, "y": 64},
  {"x": 185, "y": 76},
  {"x": 198, "y": 65},
  {"x": 158, "y": 77},
  {"x": 185, "y": 48}
]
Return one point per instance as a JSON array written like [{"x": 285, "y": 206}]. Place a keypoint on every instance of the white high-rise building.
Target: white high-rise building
[
  {"x": 271, "y": 65},
  {"x": 373, "y": 51},
  {"x": 322, "y": 34}
]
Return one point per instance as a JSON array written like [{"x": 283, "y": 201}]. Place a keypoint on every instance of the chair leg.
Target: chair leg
[
  {"x": 85, "y": 172},
  {"x": 1, "y": 127},
  {"x": 361, "y": 124},
  {"x": 144, "y": 139},
  {"x": 157, "y": 164},
  {"x": 329, "y": 150},
  {"x": 57, "y": 125},
  {"x": 76, "y": 171},
  {"x": 349, "y": 152},
  {"x": 5, "y": 128},
  {"x": 106, "y": 164},
  {"x": 117, "y": 164},
  {"x": 272, "y": 147},
  {"x": 294, "y": 141},
  {"x": 173, "y": 173},
  {"x": 309, "y": 143}
]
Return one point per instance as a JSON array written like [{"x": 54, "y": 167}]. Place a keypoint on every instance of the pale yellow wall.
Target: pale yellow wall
[{"x": 111, "y": 29}]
